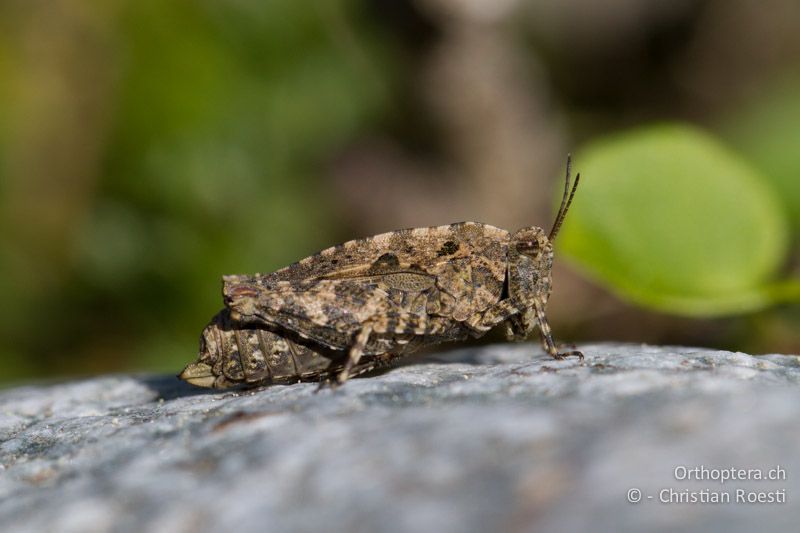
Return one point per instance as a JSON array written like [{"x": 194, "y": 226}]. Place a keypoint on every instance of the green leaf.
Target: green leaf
[
  {"x": 669, "y": 218},
  {"x": 768, "y": 133}
]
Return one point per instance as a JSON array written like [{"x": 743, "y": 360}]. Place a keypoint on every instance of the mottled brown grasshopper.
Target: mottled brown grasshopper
[{"x": 381, "y": 297}]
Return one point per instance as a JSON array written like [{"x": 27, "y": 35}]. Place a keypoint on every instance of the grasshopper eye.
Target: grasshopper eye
[{"x": 529, "y": 248}]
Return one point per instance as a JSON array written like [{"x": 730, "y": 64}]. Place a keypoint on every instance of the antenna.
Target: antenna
[{"x": 566, "y": 200}]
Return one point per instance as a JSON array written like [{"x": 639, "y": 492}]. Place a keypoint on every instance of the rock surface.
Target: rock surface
[{"x": 483, "y": 439}]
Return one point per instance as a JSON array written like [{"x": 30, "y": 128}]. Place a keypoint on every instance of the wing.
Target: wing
[
  {"x": 416, "y": 250},
  {"x": 465, "y": 261}
]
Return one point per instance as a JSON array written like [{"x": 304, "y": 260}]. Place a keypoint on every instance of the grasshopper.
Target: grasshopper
[{"x": 383, "y": 296}]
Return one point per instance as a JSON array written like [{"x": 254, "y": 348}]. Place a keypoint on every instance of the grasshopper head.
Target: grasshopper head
[{"x": 530, "y": 262}]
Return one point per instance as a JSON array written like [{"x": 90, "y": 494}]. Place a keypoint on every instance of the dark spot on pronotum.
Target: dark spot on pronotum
[
  {"x": 448, "y": 248},
  {"x": 387, "y": 260}
]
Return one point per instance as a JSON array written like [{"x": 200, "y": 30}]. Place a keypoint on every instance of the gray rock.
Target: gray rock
[{"x": 484, "y": 439}]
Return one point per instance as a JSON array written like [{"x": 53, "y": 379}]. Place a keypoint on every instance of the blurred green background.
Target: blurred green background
[{"x": 149, "y": 147}]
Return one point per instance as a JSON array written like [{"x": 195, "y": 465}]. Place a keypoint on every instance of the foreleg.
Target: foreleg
[{"x": 547, "y": 338}]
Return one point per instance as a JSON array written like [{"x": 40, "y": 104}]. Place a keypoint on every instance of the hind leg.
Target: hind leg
[{"x": 355, "y": 353}]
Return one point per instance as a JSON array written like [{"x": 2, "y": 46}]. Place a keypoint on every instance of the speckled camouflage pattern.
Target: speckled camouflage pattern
[
  {"x": 384, "y": 296},
  {"x": 446, "y": 270},
  {"x": 232, "y": 354}
]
